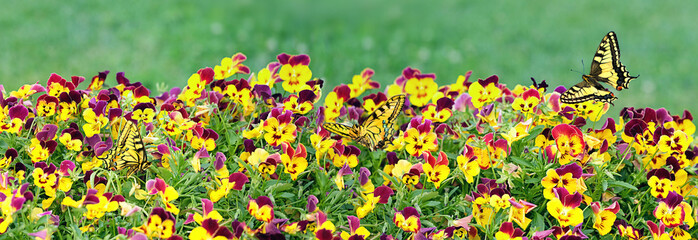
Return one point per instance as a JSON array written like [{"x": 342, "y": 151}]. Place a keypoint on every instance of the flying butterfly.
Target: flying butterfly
[
  {"x": 377, "y": 129},
  {"x": 606, "y": 68},
  {"x": 128, "y": 151}
]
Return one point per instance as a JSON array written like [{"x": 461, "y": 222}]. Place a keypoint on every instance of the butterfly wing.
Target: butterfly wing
[
  {"x": 606, "y": 66},
  {"x": 342, "y": 130},
  {"x": 377, "y": 129},
  {"x": 587, "y": 91},
  {"x": 132, "y": 153}
]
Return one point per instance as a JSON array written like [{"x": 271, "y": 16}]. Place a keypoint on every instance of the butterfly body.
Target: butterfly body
[
  {"x": 605, "y": 68},
  {"x": 377, "y": 129},
  {"x": 128, "y": 151}
]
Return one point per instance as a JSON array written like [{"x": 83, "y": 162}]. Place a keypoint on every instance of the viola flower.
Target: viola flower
[
  {"x": 96, "y": 120},
  {"x": 339, "y": 179},
  {"x": 166, "y": 192},
  {"x": 604, "y": 219},
  {"x": 143, "y": 112},
  {"x": 436, "y": 170},
  {"x": 40, "y": 150},
  {"x": 420, "y": 87},
  {"x": 68, "y": 105},
  {"x": 495, "y": 150},
  {"x": 468, "y": 164},
  {"x": 177, "y": 123},
  {"x": 355, "y": 229},
  {"x": 196, "y": 85},
  {"x": 234, "y": 182},
  {"x": 230, "y": 66},
  {"x": 325, "y": 229},
  {"x": 627, "y": 230},
  {"x": 334, "y": 103},
  {"x": 240, "y": 92},
  {"x": 527, "y": 102},
  {"x": 294, "y": 71},
  {"x": 71, "y": 139},
  {"x": 439, "y": 112},
  {"x": 344, "y": 155},
  {"x": 462, "y": 84},
  {"x": 567, "y": 177},
  {"x": 483, "y": 214},
  {"x": 57, "y": 85},
  {"x": 27, "y": 90},
  {"x": 507, "y": 231},
  {"x": 484, "y": 91},
  {"x": 10, "y": 155},
  {"x": 499, "y": 199},
  {"x": 294, "y": 160},
  {"x": 210, "y": 230},
  {"x": 591, "y": 110},
  {"x": 660, "y": 183},
  {"x": 204, "y": 138},
  {"x": 98, "y": 81},
  {"x": 407, "y": 220},
  {"x": 570, "y": 142},
  {"x": 302, "y": 104},
  {"x": 209, "y": 213},
  {"x": 565, "y": 207},
  {"x": 278, "y": 129},
  {"x": 267, "y": 76},
  {"x": 98, "y": 205},
  {"x": 420, "y": 139},
  {"x": 46, "y": 105},
  {"x": 658, "y": 232},
  {"x": 17, "y": 115},
  {"x": 672, "y": 211},
  {"x": 261, "y": 208},
  {"x": 321, "y": 142},
  {"x": 160, "y": 224},
  {"x": 518, "y": 211},
  {"x": 683, "y": 187},
  {"x": 361, "y": 83}
]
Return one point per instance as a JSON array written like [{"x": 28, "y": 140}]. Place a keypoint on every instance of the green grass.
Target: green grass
[{"x": 155, "y": 42}]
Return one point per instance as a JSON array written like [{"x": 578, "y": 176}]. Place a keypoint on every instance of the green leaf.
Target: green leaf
[
  {"x": 521, "y": 162},
  {"x": 622, "y": 184}
]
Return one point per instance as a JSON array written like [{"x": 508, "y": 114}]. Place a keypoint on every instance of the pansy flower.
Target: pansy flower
[
  {"x": 355, "y": 229},
  {"x": 57, "y": 85},
  {"x": 267, "y": 76},
  {"x": 362, "y": 82},
  {"x": 300, "y": 104},
  {"x": 344, "y": 155},
  {"x": 334, "y": 103},
  {"x": 294, "y": 160},
  {"x": 294, "y": 71},
  {"x": 98, "y": 81},
  {"x": 660, "y": 182},
  {"x": 143, "y": 112},
  {"x": 570, "y": 142},
  {"x": 420, "y": 87},
  {"x": 439, "y": 112},
  {"x": 278, "y": 127},
  {"x": 567, "y": 177},
  {"x": 408, "y": 220},
  {"x": 658, "y": 231},
  {"x": 68, "y": 105},
  {"x": 71, "y": 138},
  {"x": 420, "y": 138},
  {"x": 518, "y": 211},
  {"x": 565, "y": 207},
  {"x": 27, "y": 90},
  {"x": 210, "y": 229},
  {"x": 203, "y": 138},
  {"x": 261, "y": 208},
  {"x": 231, "y": 65},
  {"x": 166, "y": 192},
  {"x": 160, "y": 224},
  {"x": 604, "y": 218},
  {"x": 507, "y": 231},
  {"x": 527, "y": 102},
  {"x": 627, "y": 230},
  {"x": 461, "y": 85},
  {"x": 95, "y": 119},
  {"x": 46, "y": 105},
  {"x": 321, "y": 142},
  {"x": 10, "y": 155},
  {"x": 673, "y": 211},
  {"x": 436, "y": 170},
  {"x": 17, "y": 115},
  {"x": 484, "y": 91}
]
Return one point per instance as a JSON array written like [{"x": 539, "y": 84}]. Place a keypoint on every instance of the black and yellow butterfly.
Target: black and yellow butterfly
[
  {"x": 377, "y": 129},
  {"x": 128, "y": 151},
  {"x": 605, "y": 67}
]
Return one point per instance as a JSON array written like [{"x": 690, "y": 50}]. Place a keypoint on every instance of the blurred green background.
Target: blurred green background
[{"x": 157, "y": 42}]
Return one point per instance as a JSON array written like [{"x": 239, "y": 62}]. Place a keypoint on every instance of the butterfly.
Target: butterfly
[
  {"x": 128, "y": 151},
  {"x": 377, "y": 129},
  {"x": 606, "y": 68}
]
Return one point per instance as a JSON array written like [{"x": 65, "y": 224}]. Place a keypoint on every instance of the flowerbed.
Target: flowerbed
[{"x": 235, "y": 155}]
